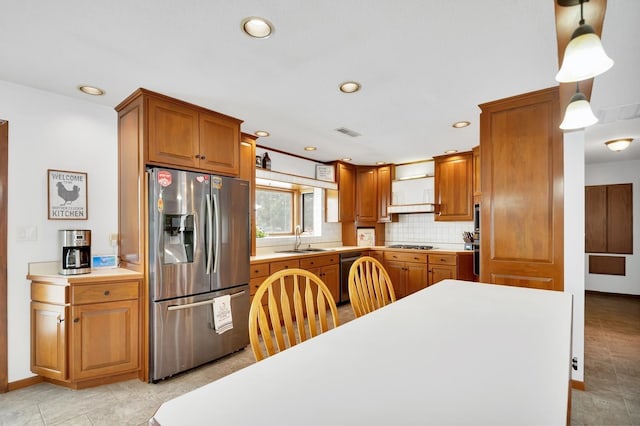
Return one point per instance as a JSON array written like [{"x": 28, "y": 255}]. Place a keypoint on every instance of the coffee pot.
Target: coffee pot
[{"x": 75, "y": 251}]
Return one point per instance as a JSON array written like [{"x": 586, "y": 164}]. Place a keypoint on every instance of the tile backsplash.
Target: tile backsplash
[{"x": 422, "y": 228}]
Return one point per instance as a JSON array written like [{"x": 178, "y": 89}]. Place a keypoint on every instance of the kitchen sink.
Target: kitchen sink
[{"x": 305, "y": 250}]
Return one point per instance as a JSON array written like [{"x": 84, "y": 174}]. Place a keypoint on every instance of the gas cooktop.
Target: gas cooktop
[{"x": 411, "y": 246}]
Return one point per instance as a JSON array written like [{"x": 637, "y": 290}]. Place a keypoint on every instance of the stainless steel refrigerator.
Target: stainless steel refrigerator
[{"x": 198, "y": 251}]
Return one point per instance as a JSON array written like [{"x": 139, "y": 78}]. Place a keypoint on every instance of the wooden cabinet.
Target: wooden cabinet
[
  {"x": 366, "y": 195},
  {"x": 384, "y": 193},
  {"x": 327, "y": 268},
  {"x": 248, "y": 172},
  {"x": 49, "y": 340},
  {"x": 522, "y": 212},
  {"x": 257, "y": 274},
  {"x": 154, "y": 129},
  {"x": 183, "y": 135},
  {"x": 454, "y": 187},
  {"x": 407, "y": 271},
  {"x": 477, "y": 181},
  {"x": 346, "y": 192},
  {"x": 609, "y": 219},
  {"x": 86, "y": 333},
  {"x": 444, "y": 266}
]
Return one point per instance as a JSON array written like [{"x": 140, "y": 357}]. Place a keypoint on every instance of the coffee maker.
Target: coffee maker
[{"x": 75, "y": 251}]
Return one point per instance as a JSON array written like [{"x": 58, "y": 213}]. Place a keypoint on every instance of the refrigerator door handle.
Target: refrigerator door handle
[
  {"x": 209, "y": 236},
  {"x": 216, "y": 211},
  {"x": 196, "y": 304}
]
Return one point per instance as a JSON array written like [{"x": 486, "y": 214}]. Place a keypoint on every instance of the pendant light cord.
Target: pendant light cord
[{"x": 581, "y": 15}]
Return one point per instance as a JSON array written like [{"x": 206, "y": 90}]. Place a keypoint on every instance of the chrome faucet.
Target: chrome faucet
[{"x": 298, "y": 231}]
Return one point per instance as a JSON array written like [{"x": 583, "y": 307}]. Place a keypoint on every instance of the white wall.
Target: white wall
[
  {"x": 48, "y": 131},
  {"x": 574, "y": 240},
  {"x": 612, "y": 173}
]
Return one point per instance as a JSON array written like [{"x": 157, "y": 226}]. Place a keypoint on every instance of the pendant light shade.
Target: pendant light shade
[
  {"x": 578, "y": 113},
  {"x": 584, "y": 57}
]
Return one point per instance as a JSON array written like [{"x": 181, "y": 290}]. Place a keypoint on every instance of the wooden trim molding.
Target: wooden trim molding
[
  {"x": 576, "y": 384},
  {"x": 29, "y": 381},
  {"x": 4, "y": 180}
]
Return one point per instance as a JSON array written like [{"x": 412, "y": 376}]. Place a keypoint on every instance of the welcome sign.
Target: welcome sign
[{"x": 67, "y": 195}]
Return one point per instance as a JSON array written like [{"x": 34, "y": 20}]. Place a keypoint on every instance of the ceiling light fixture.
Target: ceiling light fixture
[
  {"x": 262, "y": 133},
  {"x": 460, "y": 124},
  {"x": 91, "y": 90},
  {"x": 350, "y": 87},
  {"x": 310, "y": 148},
  {"x": 451, "y": 151},
  {"x": 618, "y": 144},
  {"x": 584, "y": 56},
  {"x": 346, "y": 159},
  {"x": 257, "y": 27},
  {"x": 380, "y": 163},
  {"x": 578, "y": 113}
]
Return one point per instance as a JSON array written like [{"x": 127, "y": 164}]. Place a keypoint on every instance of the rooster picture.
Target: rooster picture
[{"x": 68, "y": 196}]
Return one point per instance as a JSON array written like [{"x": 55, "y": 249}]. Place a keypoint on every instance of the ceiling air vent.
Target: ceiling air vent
[{"x": 348, "y": 132}]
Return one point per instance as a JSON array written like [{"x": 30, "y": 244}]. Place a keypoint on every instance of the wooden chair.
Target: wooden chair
[
  {"x": 370, "y": 287},
  {"x": 289, "y": 307}
]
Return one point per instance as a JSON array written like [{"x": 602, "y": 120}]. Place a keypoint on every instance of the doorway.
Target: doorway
[{"x": 4, "y": 163}]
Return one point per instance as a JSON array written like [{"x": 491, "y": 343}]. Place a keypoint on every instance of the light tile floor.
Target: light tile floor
[{"x": 612, "y": 369}]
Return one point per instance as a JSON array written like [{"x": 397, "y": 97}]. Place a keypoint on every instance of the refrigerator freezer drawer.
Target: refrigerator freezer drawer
[{"x": 184, "y": 336}]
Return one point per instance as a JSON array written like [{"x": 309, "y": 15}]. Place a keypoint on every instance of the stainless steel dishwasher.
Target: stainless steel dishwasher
[{"x": 346, "y": 260}]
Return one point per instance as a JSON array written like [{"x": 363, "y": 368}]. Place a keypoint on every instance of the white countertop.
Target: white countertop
[
  {"x": 454, "y": 353},
  {"x": 49, "y": 271}
]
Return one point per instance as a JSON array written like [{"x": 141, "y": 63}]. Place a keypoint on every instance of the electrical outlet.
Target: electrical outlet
[
  {"x": 113, "y": 239},
  {"x": 27, "y": 233}
]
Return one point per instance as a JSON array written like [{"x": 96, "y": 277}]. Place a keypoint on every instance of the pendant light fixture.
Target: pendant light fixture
[
  {"x": 578, "y": 113},
  {"x": 584, "y": 56}
]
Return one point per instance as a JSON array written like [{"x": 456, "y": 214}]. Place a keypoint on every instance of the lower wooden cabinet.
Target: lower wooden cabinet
[
  {"x": 86, "y": 333},
  {"x": 327, "y": 268},
  {"x": 450, "y": 266},
  {"x": 407, "y": 271}
]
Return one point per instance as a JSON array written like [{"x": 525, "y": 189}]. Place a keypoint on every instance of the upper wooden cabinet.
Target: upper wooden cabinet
[
  {"x": 609, "y": 219},
  {"x": 154, "y": 129},
  {"x": 366, "y": 195},
  {"x": 522, "y": 210},
  {"x": 454, "y": 187},
  {"x": 384, "y": 193},
  {"x": 346, "y": 192},
  {"x": 248, "y": 172},
  {"x": 184, "y": 135},
  {"x": 477, "y": 181}
]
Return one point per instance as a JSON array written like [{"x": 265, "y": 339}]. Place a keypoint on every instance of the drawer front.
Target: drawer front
[
  {"x": 49, "y": 293},
  {"x": 283, "y": 264},
  {"x": 254, "y": 283},
  {"x": 442, "y": 259},
  {"x": 405, "y": 256},
  {"x": 98, "y": 293},
  {"x": 259, "y": 270},
  {"x": 318, "y": 261}
]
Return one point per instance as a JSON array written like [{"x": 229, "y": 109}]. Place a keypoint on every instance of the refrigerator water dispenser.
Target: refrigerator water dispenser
[{"x": 178, "y": 238}]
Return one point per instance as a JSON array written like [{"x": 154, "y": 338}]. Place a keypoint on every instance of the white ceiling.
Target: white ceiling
[{"x": 422, "y": 65}]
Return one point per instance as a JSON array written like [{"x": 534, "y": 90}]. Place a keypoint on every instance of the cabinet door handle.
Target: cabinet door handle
[
  {"x": 60, "y": 319},
  {"x": 198, "y": 156},
  {"x": 76, "y": 320},
  {"x": 202, "y": 157},
  {"x": 107, "y": 292}
]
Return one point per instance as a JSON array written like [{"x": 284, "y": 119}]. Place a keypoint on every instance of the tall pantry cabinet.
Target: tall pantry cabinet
[
  {"x": 522, "y": 226},
  {"x": 157, "y": 130}
]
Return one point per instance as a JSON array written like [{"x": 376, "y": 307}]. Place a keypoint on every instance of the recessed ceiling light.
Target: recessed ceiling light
[
  {"x": 257, "y": 27},
  {"x": 310, "y": 148},
  {"x": 618, "y": 144},
  {"x": 262, "y": 133},
  {"x": 379, "y": 163},
  {"x": 451, "y": 151},
  {"x": 90, "y": 90},
  {"x": 346, "y": 159},
  {"x": 350, "y": 87},
  {"x": 461, "y": 124}
]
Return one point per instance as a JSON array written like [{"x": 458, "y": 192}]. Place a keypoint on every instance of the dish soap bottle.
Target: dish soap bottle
[{"x": 266, "y": 161}]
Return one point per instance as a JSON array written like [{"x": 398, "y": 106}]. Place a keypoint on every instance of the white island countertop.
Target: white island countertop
[{"x": 454, "y": 353}]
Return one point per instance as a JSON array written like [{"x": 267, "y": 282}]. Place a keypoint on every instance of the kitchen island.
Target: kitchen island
[{"x": 454, "y": 353}]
